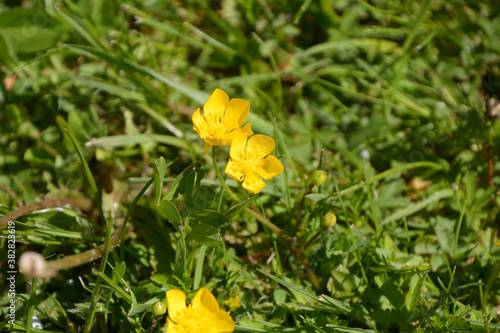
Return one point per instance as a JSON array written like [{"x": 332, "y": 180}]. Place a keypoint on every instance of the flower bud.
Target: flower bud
[
  {"x": 158, "y": 309},
  {"x": 329, "y": 219},
  {"x": 318, "y": 177}
]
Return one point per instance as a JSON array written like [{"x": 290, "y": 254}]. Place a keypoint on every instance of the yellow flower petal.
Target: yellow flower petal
[
  {"x": 176, "y": 302},
  {"x": 234, "y": 170},
  {"x": 207, "y": 147},
  {"x": 238, "y": 147},
  {"x": 225, "y": 141},
  {"x": 247, "y": 129},
  {"x": 215, "y": 106},
  {"x": 236, "y": 112},
  {"x": 204, "y": 302},
  {"x": 173, "y": 328},
  {"x": 200, "y": 125},
  {"x": 260, "y": 145},
  {"x": 204, "y": 315},
  {"x": 253, "y": 183},
  {"x": 270, "y": 167},
  {"x": 222, "y": 323}
]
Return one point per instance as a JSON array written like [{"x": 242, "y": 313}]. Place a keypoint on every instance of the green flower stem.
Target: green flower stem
[
  {"x": 84, "y": 257},
  {"x": 153, "y": 325},
  {"x": 321, "y": 159},
  {"x": 229, "y": 192},
  {"x": 301, "y": 206},
  {"x": 184, "y": 253},
  {"x": 482, "y": 296},
  {"x": 314, "y": 237},
  {"x": 31, "y": 308}
]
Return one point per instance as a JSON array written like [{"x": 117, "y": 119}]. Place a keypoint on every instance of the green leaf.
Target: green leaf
[
  {"x": 290, "y": 286},
  {"x": 103, "y": 14},
  {"x": 115, "y": 287},
  {"x": 30, "y": 30},
  {"x": 390, "y": 290},
  {"x": 160, "y": 279},
  {"x": 337, "y": 304},
  {"x": 198, "y": 272},
  {"x": 211, "y": 218},
  {"x": 8, "y": 56},
  {"x": 159, "y": 174},
  {"x": 171, "y": 211},
  {"x": 368, "y": 44},
  {"x": 203, "y": 197},
  {"x": 139, "y": 308},
  {"x": 179, "y": 184},
  {"x": 64, "y": 126},
  {"x": 414, "y": 292},
  {"x": 413, "y": 208},
  {"x": 80, "y": 26},
  {"x": 237, "y": 208},
  {"x": 118, "y": 272},
  {"x": 458, "y": 325},
  {"x": 92, "y": 183},
  {"x": 39, "y": 158},
  {"x": 317, "y": 196},
  {"x": 205, "y": 235},
  {"x": 280, "y": 296}
]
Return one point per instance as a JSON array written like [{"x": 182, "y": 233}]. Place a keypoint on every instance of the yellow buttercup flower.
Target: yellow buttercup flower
[
  {"x": 221, "y": 119},
  {"x": 251, "y": 160},
  {"x": 204, "y": 315}
]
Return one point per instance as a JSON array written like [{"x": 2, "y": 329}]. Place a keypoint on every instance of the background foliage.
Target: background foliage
[{"x": 378, "y": 85}]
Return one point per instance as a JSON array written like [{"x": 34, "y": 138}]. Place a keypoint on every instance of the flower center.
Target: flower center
[
  {"x": 249, "y": 161},
  {"x": 248, "y": 166},
  {"x": 191, "y": 321},
  {"x": 219, "y": 128}
]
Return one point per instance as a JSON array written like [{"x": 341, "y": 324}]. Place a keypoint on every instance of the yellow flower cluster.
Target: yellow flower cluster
[
  {"x": 233, "y": 303},
  {"x": 219, "y": 124},
  {"x": 203, "y": 315}
]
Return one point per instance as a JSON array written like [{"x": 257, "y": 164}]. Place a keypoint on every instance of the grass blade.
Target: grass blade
[{"x": 107, "y": 243}]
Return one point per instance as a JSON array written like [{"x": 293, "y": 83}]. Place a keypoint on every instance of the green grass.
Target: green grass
[{"x": 390, "y": 98}]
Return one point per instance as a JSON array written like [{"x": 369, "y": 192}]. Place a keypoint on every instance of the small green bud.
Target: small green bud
[
  {"x": 329, "y": 219},
  {"x": 318, "y": 177},
  {"x": 158, "y": 309}
]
